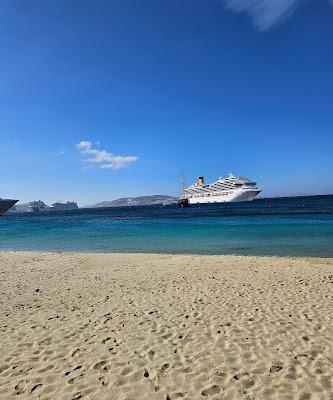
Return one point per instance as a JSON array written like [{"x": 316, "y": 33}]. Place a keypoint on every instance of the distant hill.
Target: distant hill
[{"x": 136, "y": 201}]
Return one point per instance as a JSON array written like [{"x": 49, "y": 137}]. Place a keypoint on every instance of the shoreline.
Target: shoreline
[
  {"x": 96, "y": 253},
  {"x": 122, "y": 326}
]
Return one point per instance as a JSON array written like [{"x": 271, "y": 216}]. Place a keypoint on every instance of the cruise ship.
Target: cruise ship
[
  {"x": 224, "y": 190},
  {"x": 37, "y": 206},
  {"x": 6, "y": 204},
  {"x": 69, "y": 206}
]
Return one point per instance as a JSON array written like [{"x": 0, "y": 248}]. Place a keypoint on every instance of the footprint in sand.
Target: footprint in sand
[
  {"x": 21, "y": 387},
  {"x": 77, "y": 396},
  {"x": 104, "y": 380},
  {"x": 178, "y": 395},
  {"x": 126, "y": 371},
  {"x": 3, "y": 368},
  {"x": 165, "y": 367},
  {"x": 305, "y": 396},
  {"x": 275, "y": 368},
  {"x": 248, "y": 383},
  {"x": 99, "y": 365},
  {"x": 240, "y": 375},
  {"x": 45, "y": 369},
  {"x": 75, "y": 352},
  {"x": 38, "y": 386},
  {"x": 167, "y": 336},
  {"x": 77, "y": 378},
  {"x": 211, "y": 391}
]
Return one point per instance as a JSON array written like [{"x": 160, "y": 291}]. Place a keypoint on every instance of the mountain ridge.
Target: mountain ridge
[{"x": 136, "y": 201}]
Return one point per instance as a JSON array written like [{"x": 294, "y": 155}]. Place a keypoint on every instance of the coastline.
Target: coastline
[
  {"x": 165, "y": 326},
  {"x": 131, "y": 254}
]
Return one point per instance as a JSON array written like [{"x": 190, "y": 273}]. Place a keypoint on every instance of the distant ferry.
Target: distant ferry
[
  {"x": 224, "y": 190},
  {"x": 70, "y": 205},
  {"x": 37, "y": 206},
  {"x": 6, "y": 204}
]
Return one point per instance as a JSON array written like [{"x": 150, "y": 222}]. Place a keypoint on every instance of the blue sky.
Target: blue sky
[{"x": 104, "y": 99}]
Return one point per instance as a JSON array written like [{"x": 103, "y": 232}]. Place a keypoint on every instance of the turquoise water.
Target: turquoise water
[{"x": 293, "y": 227}]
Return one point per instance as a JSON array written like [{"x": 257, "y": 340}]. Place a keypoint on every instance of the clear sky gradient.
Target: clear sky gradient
[{"x": 104, "y": 99}]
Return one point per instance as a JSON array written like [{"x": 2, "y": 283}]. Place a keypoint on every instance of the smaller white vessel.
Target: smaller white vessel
[
  {"x": 37, "y": 206},
  {"x": 68, "y": 206},
  {"x": 224, "y": 190}
]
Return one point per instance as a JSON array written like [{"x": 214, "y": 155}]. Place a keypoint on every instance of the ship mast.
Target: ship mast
[{"x": 181, "y": 184}]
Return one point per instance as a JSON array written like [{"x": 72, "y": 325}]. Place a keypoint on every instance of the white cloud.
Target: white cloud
[
  {"x": 265, "y": 14},
  {"x": 103, "y": 158},
  {"x": 61, "y": 152}
]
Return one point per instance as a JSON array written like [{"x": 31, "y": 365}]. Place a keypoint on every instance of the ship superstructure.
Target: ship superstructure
[
  {"x": 230, "y": 189},
  {"x": 6, "y": 204}
]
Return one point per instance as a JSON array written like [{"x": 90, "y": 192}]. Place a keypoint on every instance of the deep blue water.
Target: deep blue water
[{"x": 300, "y": 226}]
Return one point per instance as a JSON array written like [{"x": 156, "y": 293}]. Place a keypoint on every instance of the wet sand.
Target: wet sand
[{"x": 149, "y": 326}]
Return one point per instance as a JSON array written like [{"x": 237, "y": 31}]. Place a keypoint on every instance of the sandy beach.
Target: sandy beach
[{"x": 150, "y": 326}]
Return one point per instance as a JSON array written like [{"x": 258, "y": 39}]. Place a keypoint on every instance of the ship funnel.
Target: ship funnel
[{"x": 201, "y": 180}]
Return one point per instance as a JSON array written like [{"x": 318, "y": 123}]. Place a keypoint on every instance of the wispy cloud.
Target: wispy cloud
[
  {"x": 61, "y": 152},
  {"x": 265, "y": 14},
  {"x": 102, "y": 158}
]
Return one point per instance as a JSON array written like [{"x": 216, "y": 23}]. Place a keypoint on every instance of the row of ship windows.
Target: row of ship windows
[
  {"x": 206, "y": 191},
  {"x": 219, "y": 185},
  {"x": 210, "y": 188},
  {"x": 211, "y": 194}
]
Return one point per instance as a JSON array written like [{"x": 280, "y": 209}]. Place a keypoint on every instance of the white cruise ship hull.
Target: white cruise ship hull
[{"x": 227, "y": 197}]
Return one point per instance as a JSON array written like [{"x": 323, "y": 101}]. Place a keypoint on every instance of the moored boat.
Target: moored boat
[{"x": 6, "y": 204}]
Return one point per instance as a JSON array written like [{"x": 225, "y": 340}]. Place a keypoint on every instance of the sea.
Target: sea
[{"x": 298, "y": 226}]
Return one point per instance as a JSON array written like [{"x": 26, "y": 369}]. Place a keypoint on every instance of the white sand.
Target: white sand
[{"x": 135, "y": 326}]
